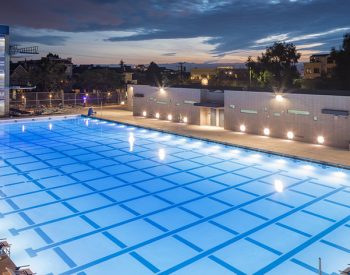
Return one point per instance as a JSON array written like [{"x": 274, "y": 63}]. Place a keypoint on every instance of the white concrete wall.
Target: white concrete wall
[
  {"x": 274, "y": 115},
  {"x": 175, "y": 101},
  {"x": 271, "y": 113}
]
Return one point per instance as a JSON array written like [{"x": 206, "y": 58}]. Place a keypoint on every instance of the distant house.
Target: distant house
[
  {"x": 320, "y": 65},
  {"x": 198, "y": 74},
  {"x": 223, "y": 76},
  {"x": 19, "y": 76}
]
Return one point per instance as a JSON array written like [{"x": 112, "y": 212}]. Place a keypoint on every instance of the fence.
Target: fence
[{"x": 35, "y": 100}]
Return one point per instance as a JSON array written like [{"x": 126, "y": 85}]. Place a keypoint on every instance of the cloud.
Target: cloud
[
  {"x": 49, "y": 40},
  {"x": 228, "y": 25},
  {"x": 168, "y": 54}
]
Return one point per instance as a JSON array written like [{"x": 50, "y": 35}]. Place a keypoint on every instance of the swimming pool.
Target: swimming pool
[{"x": 85, "y": 196}]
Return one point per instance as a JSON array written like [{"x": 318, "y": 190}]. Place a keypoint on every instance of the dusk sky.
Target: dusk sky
[{"x": 168, "y": 31}]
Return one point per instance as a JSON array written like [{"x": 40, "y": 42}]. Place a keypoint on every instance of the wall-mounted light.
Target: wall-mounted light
[
  {"x": 242, "y": 128},
  {"x": 290, "y": 135},
  {"x": 144, "y": 113},
  {"x": 266, "y": 131},
  {"x": 279, "y": 98},
  {"x": 157, "y": 115},
  {"x": 320, "y": 140},
  {"x": 162, "y": 91},
  {"x": 185, "y": 119},
  {"x": 122, "y": 103},
  {"x": 170, "y": 117}
]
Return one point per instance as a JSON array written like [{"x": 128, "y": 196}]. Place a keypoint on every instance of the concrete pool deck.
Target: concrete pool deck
[{"x": 312, "y": 152}]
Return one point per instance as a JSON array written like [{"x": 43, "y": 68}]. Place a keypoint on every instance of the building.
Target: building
[
  {"x": 4, "y": 70},
  {"x": 198, "y": 74},
  {"x": 220, "y": 76},
  {"x": 320, "y": 65},
  {"x": 308, "y": 118}
]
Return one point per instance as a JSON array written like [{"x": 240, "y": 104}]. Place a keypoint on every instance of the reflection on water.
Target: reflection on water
[
  {"x": 131, "y": 141},
  {"x": 279, "y": 186},
  {"x": 161, "y": 154}
]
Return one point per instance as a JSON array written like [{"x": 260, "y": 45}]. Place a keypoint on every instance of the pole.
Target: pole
[{"x": 320, "y": 266}]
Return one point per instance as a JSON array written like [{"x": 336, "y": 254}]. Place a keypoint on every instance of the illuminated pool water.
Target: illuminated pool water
[{"x": 81, "y": 196}]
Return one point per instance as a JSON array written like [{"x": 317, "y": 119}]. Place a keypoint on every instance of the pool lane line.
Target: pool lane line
[
  {"x": 247, "y": 233},
  {"x": 172, "y": 232},
  {"x": 303, "y": 246},
  {"x": 120, "y": 202},
  {"x": 33, "y": 251},
  {"x": 233, "y": 145},
  {"x": 169, "y": 233},
  {"x": 225, "y": 172}
]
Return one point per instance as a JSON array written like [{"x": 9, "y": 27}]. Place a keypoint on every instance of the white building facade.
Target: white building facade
[
  {"x": 4, "y": 70},
  {"x": 318, "y": 119}
]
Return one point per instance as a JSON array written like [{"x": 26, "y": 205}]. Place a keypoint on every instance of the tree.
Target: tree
[
  {"x": 48, "y": 74},
  {"x": 342, "y": 60},
  {"x": 154, "y": 74},
  {"x": 276, "y": 67},
  {"x": 99, "y": 79}
]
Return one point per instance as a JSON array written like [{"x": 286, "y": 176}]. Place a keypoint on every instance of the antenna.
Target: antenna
[{"x": 16, "y": 51}]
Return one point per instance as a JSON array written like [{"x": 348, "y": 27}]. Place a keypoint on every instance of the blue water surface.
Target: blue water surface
[{"x": 85, "y": 196}]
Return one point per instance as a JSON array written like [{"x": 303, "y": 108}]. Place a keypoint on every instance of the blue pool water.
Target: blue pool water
[{"x": 81, "y": 196}]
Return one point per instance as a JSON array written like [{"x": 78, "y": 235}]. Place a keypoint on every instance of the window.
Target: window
[
  {"x": 316, "y": 70},
  {"x": 298, "y": 112},
  {"x": 190, "y": 102},
  {"x": 247, "y": 111}
]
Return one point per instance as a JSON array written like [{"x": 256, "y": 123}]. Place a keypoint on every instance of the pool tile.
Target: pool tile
[
  {"x": 182, "y": 178},
  {"x": 230, "y": 179},
  {"x": 239, "y": 221},
  {"x": 135, "y": 232},
  {"x": 173, "y": 218},
  {"x": 185, "y": 165},
  {"x": 206, "y": 186},
  {"x": 252, "y": 172},
  {"x": 234, "y": 197},
  {"x": 205, "y": 206},
  {"x": 135, "y": 176},
  {"x": 124, "y": 193},
  {"x": 178, "y": 195},
  {"x": 203, "y": 267},
  {"x": 33, "y": 199},
  {"x": 206, "y": 235},
  {"x": 267, "y": 209},
  {"x": 155, "y": 185},
  {"x": 278, "y": 238},
  {"x": 240, "y": 255},
  {"x": 206, "y": 172},
  {"x": 161, "y": 170},
  {"x": 90, "y": 202},
  {"x": 95, "y": 247},
  {"x": 66, "y": 230},
  {"x": 124, "y": 264},
  {"x": 110, "y": 215},
  {"x": 306, "y": 223},
  {"x": 147, "y": 204},
  {"x": 166, "y": 253}
]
